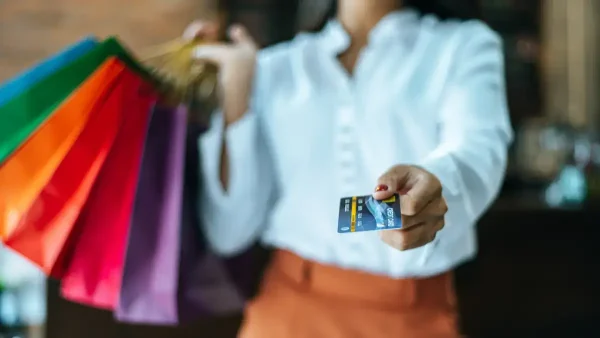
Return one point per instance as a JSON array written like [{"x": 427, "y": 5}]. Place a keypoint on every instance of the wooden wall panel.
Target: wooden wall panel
[{"x": 31, "y": 30}]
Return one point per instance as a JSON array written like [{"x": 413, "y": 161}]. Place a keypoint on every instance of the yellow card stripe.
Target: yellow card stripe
[
  {"x": 391, "y": 199},
  {"x": 353, "y": 216}
]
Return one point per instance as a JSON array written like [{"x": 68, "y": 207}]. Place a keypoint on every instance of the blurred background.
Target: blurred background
[{"x": 537, "y": 273}]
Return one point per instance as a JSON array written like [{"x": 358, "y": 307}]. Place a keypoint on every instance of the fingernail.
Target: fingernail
[{"x": 381, "y": 187}]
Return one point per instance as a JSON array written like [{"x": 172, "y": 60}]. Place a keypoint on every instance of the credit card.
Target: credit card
[{"x": 364, "y": 213}]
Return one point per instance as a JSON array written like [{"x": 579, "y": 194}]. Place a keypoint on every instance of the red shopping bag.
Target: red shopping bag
[
  {"x": 45, "y": 227},
  {"x": 31, "y": 166},
  {"x": 93, "y": 274}
]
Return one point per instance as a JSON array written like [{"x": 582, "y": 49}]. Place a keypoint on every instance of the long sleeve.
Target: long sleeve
[
  {"x": 234, "y": 219},
  {"x": 475, "y": 130}
]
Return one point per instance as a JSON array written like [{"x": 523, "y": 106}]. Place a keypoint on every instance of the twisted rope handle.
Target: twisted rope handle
[{"x": 181, "y": 78}]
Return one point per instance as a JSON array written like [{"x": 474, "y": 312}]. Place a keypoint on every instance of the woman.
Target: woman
[{"x": 386, "y": 97}]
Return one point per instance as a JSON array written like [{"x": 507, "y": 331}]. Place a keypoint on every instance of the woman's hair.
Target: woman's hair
[{"x": 443, "y": 9}]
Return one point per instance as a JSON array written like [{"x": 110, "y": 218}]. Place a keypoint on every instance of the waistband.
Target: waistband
[{"x": 357, "y": 286}]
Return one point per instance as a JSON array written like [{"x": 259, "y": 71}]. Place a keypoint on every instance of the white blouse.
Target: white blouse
[{"x": 424, "y": 92}]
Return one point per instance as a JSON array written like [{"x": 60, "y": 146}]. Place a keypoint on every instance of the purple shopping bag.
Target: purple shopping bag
[
  {"x": 149, "y": 284},
  {"x": 208, "y": 285},
  {"x": 169, "y": 277}
]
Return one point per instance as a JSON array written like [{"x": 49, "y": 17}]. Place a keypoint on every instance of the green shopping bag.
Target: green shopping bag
[{"x": 21, "y": 116}]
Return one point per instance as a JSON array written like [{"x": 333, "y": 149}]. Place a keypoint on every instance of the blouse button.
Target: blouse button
[
  {"x": 346, "y": 157},
  {"x": 345, "y": 116}
]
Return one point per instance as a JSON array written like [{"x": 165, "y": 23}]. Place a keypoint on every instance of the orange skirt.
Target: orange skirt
[{"x": 304, "y": 299}]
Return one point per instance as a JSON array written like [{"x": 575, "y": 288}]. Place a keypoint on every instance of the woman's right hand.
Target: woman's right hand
[{"x": 236, "y": 62}]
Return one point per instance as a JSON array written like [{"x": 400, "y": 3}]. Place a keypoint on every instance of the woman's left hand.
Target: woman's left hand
[{"x": 421, "y": 204}]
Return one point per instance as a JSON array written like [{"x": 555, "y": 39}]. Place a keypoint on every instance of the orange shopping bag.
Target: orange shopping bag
[
  {"x": 93, "y": 274},
  {"x": 23, "y": 176},
  {"x": 44, "y": 229}
]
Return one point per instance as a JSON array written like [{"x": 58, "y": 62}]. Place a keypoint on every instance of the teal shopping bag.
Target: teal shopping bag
[
  {"x": 23, "y": 114},
  {"x": 25, "y": 80}
]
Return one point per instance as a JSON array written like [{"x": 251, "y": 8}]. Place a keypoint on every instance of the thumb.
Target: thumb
[
  {"x": 392, "y": 181},
  {"x": 416, "y": 185}
]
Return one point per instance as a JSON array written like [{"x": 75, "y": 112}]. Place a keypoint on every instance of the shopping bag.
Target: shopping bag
[
  {"x": 31, "y": 167},
  {"x": 45, "y": 227},
  {"x": 93, "y": 275},
  {"x": 22, "y": 115},
  {"x": 208, "y": 284},
  {"x": 158, "y": 287},
  {"x": 150, "y": 277},
  {"x": 25, "y": 80}
]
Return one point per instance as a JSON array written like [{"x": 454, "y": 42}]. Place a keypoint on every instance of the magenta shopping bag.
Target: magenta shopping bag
[{"x": 168, "y": 276}]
